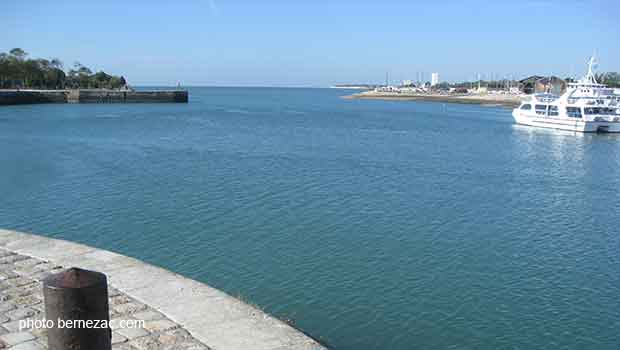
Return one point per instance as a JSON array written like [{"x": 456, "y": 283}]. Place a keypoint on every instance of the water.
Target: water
[{"x": 371, "y": 224}]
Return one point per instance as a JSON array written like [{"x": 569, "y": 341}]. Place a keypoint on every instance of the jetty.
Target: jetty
[
  {"x": 19, "y": 97},
  {"x": 177, "y": 312}
]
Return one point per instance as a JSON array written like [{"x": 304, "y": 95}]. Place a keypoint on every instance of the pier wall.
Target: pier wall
[
  {"x": 14, "y": 97},
  {"x": 115, "y": 96}
]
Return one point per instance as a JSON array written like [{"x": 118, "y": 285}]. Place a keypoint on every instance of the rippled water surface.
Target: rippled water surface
[{"x": 371, "y": 224}]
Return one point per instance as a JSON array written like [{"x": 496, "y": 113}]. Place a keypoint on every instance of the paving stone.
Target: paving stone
[
  {"x": 39, "y": 306},
  {"x": 41, "y": 275},
  {"x": 118, "y": 338},
  {"x": 148, "y": 315},
  {"x": 46, "y": 266},
  {"x": 145, "y": 343},
  {"x": 3, "y": 288},
  {"x": 5, "y": 253},
  {"x": 8, "y": 274},
  {"x": 118, "y": 300},
  {"x": 21, "y": 281},
  {"x": 132, "y": 333},
  {"x": 42, "y": 340},
  {"x": 29, "y": 345},
  {"x": 10, "y": 259},
  {"x": 112, "y": 292},
  {"x": 14, "y": 292},
  {"x": 129, "y": 308},
  {"x": 193, "y": 345},
  {"x": 29, "y": 262},
  {"x": 27, "y": 300},
  {"x": 174, "y": 337},
  {"x": 122, "y": 346},
  {"x": 12, "y": 326},
  {"x": 39, "y": 332},
  {"x": 115, "y": 322},
  {"x": 159, "y": 325},
  {"x": 12, "y": 339},
  {"x": 21, "y": 313},
  {"x": 6, "y": 306}
]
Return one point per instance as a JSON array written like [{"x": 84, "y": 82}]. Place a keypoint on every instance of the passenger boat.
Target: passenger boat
[{"x": 586, "y": 106}]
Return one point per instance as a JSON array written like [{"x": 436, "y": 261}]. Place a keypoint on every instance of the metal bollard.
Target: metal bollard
[{"x": 77, "y": 296}]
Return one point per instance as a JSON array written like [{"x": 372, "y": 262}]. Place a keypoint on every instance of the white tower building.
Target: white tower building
[{"x": 434, "y": 79}]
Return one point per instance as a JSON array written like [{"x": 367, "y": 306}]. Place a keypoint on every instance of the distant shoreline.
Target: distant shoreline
[{"x": 487, "y": 100}]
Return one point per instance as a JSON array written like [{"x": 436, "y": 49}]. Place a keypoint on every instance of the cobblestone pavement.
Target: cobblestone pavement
[{"x": 21, "y": 298}]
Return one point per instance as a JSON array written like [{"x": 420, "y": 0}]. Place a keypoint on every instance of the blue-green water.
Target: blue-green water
[{"x": 372, "y": 224}]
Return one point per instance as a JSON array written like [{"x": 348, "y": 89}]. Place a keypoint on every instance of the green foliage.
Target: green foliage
[
  {"x": 18, "y": 71},
  {"x": 442, "y": 86},
  {"x": 611, "y": 79}
]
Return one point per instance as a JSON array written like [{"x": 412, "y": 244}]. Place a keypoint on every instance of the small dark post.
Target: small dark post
[{"x": 77, "y": 295}]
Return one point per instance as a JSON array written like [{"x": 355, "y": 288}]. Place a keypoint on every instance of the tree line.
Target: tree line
[{"x": 18, "y": 71}]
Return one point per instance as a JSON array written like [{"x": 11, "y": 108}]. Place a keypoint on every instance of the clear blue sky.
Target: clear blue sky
[{"x": 315, "y": 43}]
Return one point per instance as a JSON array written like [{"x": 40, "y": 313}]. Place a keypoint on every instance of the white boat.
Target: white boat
[{"x": 586, "y": 106}]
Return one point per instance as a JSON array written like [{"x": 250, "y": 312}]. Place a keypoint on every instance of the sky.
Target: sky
[{"x": 315, "y": 43}]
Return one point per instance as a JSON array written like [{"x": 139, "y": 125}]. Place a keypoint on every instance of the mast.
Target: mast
[{"x": 590, "y": 77}]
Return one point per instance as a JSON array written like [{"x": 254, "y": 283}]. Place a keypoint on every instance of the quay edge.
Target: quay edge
[{"x": 211, "y": 316}]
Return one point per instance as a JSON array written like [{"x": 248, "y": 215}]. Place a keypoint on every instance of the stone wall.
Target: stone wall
[
  {"x": 115, "y": 96},
  {"x": 13, "y": 97}
]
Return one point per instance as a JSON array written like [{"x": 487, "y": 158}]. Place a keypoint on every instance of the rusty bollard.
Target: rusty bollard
[{"x": 76, "y": 301}]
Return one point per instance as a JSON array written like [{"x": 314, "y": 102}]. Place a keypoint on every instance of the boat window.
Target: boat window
[
  {"x": 573, "y": 112},
  {"x": 541, "y": 109},
  {"x": 598, "y": 110},
  {"x": 526, "y": 107},
  {"x": 553, "y": 110}
]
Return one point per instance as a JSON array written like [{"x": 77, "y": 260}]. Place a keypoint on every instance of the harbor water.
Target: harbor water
[{"x": 368, "y": 224}]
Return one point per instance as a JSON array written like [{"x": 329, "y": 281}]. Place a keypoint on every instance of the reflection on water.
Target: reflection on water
[{"x": 564, "y": 146}]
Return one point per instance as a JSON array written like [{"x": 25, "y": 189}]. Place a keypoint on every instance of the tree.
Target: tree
[
  {"x": 17, "y": 70},
  {"x": 611, "y": 79},
  {"x": 18, "y": 53},
  {"x": 4, "y": 69},
  {"x": 80, "y": 75},
  {"x": 114, "y": 83},
  {"x": 56, "y": 63},
  {"x": 100, "y": 80}
]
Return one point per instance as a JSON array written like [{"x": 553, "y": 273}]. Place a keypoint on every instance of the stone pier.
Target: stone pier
[
  {"x": 176, "y": 313},
  {"x": 17, "y": 97}
]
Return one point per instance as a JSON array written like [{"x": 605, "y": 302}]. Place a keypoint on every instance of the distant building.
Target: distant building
[
  {"x": 482, "y": 90},
  {"x": 434, "y": 79},
  {"x": 407, "y": 83},
  {"x": 539, "y": 84}
]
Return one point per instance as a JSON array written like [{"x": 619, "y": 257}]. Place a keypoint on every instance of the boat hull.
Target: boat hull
[{"x": 569, "y": 124}]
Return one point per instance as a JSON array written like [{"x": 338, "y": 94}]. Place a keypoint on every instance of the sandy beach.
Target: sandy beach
[{"x": 502, "y": 100}]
